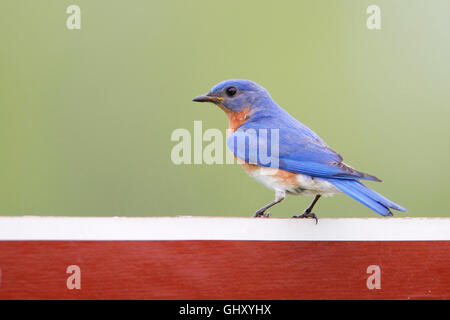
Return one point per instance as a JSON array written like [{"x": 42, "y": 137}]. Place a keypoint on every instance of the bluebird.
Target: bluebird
[{"x": 305, "y": 164}]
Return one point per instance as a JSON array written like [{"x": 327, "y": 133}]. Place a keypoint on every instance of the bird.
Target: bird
[{"x": 303, "y": 164}]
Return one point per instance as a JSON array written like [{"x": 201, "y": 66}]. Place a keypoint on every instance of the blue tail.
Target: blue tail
[{"x": 366, "y": 196}]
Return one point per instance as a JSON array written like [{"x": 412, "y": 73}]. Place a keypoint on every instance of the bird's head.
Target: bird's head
[{"x": 236, "y": 95}]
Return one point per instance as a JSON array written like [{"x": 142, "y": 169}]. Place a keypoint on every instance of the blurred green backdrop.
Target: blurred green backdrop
[{"x": 86, "y": 115}]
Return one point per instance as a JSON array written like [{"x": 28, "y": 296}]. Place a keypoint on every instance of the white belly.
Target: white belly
[{"x": 296, "y": 184}]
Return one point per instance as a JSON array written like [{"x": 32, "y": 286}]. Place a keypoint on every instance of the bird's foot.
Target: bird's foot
[
  {"x": 262, "y": 214},
  {"x": 307, "y": 215}
]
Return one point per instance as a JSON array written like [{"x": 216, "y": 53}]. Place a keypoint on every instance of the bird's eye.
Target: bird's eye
[{"x": 231, "y": 91}]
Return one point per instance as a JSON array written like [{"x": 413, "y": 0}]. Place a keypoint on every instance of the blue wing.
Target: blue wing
[{"x": 300, "y": 150}]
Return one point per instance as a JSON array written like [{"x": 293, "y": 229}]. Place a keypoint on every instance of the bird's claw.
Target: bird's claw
[
  {"x": 307, "y": 215},
  {"x": 262, "y": 214}
]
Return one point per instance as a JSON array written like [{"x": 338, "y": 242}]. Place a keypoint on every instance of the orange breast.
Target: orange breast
[
  {"x": 236, "y": 119},
  {"x": 287, "y": 177},
  {"x": 249, "y": 168}
]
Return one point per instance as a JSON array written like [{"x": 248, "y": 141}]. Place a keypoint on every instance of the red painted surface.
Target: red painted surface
[{"x": 224, "y": 269}]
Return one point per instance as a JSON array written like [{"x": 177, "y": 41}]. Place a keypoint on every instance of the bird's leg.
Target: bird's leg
[
  {"x": 279, "y": 196},
  {"x": 307, "y": 213}
]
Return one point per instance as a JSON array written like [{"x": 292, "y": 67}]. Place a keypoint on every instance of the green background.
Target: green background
[{"x": 86, "y": 115}]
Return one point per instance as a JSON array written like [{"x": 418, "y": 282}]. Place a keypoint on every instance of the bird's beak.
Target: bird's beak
[{"x": 207, "y": 98}]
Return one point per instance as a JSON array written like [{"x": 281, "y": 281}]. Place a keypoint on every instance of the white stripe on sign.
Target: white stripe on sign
[{"x": 221, "y": 228}]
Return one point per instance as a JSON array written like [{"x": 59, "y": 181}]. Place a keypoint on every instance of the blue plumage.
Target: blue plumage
[
  {"x": 300, "y": 150},
  {"x": 366, "y": 196}
]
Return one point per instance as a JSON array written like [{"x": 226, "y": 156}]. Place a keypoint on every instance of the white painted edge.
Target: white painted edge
[{"x": 215, "y": 228}]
